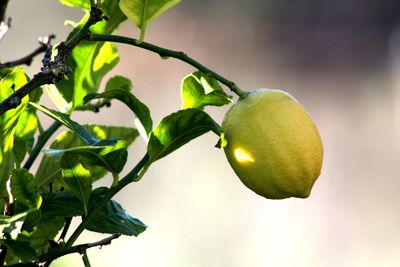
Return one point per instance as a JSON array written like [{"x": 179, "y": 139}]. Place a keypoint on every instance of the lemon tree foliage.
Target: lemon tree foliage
[{"x": 269, "y": 139}]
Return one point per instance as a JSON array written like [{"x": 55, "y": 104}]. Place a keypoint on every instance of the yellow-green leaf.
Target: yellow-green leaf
[{"x": 142, "y": 12}]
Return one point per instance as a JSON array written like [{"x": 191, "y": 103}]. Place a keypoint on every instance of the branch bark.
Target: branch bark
[
  {"x": 52, "y": 71},
  {"x": 56, "y": 253},
  {"x": 27, "y": 60}
]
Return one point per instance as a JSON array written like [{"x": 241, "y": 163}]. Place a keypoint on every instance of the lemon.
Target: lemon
[{"x": 272, "y": 144}]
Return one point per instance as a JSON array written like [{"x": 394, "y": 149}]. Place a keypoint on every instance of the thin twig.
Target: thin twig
[
  {"x": 165, "y": 53},
  {"x": 85, "y": 259},
  {"x": 27, "y": 60},
  {"x": 64, "y": 232}
]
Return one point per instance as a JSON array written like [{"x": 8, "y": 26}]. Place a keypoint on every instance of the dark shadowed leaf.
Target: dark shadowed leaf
[
  {"x": 20, "y": 249},
  {"x": 60, "y": 204},
  {"x": 114, "y": 219},
  {"x": 177, "y": 129}
]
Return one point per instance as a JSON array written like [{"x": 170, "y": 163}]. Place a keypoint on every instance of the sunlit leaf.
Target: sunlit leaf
[
  {"x": 91, "y": 61},
  {"x": 142, "y": 12},
  {"x": 14, "y": 79},
  {"x": 114, "y": 219},
  {"x": 199, "y": 90},
  {"x": 177, "y": 129},
  {"x": 84, "y": 4},
  {"x": 77, "y": 178},
  {"x": 141, "y": 110},
  {"x": 4, "y": 220},
  {"x": 57, "y": 98},
  {"x": 24, "y": 133},
  {"x": 24, "y": 188}
]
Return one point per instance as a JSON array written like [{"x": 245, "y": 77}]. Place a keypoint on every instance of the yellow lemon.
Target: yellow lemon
[{"x": 273, "y": 145}]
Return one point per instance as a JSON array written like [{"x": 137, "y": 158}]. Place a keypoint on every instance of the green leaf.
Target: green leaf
[
  {"x": 114, "y": 219},
  {"x": 177, "y": 129},
  {"x": 13, "y": 78},
  {"x": 60, "y": 204},
  {"x": 5, "y": 220},
  {"x": 77, "y": 178},
  {"x": 112, "y": 157},
  {"x": 24, "y": 188},
  {"x": 142, "y": 12},
  {"x": 199, "y": 90},
  {"x": 31, "y": 221},
  {"x": 141, "y": 110},
  {"x": 84, "y": 4},
  {"x": 64, "y": 119},
  {"x": 24, "y": 133},
  {"x": 49, "y": 169},
  {"x": 119, "y": 82},
  {"x": 44, "y": 232},
  {"x": 91, "y": 61},
  {"x": 21, "y": 249}
]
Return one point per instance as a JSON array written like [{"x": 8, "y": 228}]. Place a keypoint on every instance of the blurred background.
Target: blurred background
[{"x": 340, "y": 59}]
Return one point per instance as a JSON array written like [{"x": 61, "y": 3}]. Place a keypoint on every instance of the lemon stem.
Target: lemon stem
[{"x": 165, "y": 53}]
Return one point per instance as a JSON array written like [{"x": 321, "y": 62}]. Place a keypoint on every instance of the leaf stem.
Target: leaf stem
[
  {"x": 85, "y": 259},
  {"x": 43, "y": 138},
  {"x": 164, "y": 52},
  {"x": 129, "y": 178}
]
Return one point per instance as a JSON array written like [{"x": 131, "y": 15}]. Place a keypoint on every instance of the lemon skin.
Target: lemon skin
[{"x": 272, "y": 144}]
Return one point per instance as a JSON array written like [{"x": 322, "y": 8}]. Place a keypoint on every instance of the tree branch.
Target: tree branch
[
  {"x": 56, "y": 70},
  {"x": 163, "y": 52},
  {"x": 27, "y": 60},
  {"x": 58, "y": 252}
]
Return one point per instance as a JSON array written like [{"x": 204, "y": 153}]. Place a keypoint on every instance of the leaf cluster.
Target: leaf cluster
[{"x": 37, "y": 206}]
